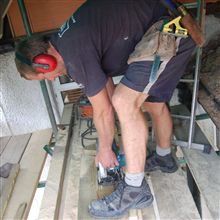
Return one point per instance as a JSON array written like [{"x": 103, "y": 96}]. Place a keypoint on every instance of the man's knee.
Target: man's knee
[
  {"x": 155, "y": 109},
  {"x": 123, "y": 105},
  {"x": 119, "y": 102}
]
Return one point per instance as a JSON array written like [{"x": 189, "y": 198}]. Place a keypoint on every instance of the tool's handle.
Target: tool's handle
[
  {"x": 193, "y": 28},
  {"x": 190, "y": 24}
]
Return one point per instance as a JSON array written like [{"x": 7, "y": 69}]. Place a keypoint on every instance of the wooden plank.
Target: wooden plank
[
  {"x": 81, "y": 184},
  {"x": 69, "y": 206},
  {"x": 53, "y": 189},
  {"x": 13, "y": 152},
  {"x": 9, "y": 185},
  {"x": 3, "y": 142},
  {"x": 15, "y": 148},
  {"x": 88, "y": 186},
  {"x": 173, "y": 196},
  {"x": 170, "y": 190},
  {"x": 204, "y": 167},
  {"x": 90, "y": 190},
  {"x": 31, "y": 166},
  {"x": 205, "y": 170},
  {"x": 67, "y": 114}
]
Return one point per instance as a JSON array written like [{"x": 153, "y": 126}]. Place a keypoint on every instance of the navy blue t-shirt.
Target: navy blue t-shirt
[{"x": 96, "y": 41}]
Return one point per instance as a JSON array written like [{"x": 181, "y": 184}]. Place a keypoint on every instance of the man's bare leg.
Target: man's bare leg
[
  {"x": 127, "y": 103},
  {"x": 162, "y": 124},
  {"x": 133, "y": 191}
]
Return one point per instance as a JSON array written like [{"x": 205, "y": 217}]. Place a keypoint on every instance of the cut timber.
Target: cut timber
[
  {"x": 9, "y": 185},
  {"x": 55, "y": 177},
  {"x": 70, "y": 197},
  {"x": 204, "y": 167},
  {"x": 31, "y": 166},
  {"x": 72, "y": 96},
  {"x": 54, "y": 185},
  {"x": 67, "y": 114}
]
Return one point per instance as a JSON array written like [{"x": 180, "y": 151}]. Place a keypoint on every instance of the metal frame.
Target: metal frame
[
  {"x": 205, "y": 148},
  {"x": 42, "y": 83}
]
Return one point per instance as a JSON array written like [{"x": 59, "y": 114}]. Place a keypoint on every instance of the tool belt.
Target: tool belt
[{"x": 154, "y": 43}]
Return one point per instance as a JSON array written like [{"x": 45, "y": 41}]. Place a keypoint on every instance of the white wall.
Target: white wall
[{"x": 22, "y": 107}]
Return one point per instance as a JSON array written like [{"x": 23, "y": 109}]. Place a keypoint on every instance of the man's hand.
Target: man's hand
[{"x": 107, "y": 158}]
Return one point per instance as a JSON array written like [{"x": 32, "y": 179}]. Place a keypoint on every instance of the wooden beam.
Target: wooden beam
[
  {"x": 31, "y": 166},
  {"x": 53, "y": 191},
  {"x": 67, "y": 114},
  {"x": 70, "y": 197},
  {"x": 204, "y": 167}
]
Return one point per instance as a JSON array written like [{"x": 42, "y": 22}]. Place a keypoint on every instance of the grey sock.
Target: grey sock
[
  {"x": 163, "y": 151},
  {"x": 134, "y": 179}
]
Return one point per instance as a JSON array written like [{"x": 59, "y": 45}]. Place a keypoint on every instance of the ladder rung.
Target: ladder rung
[
  {"x": 198, "y": 117},
  {"x": 187, "y": 80},
  {"x": 191, "y": 5},
  {"x": 180, "y": 116}
]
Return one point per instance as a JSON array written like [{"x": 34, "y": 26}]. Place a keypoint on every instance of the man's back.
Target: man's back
[{"x": 97, "y": 40}]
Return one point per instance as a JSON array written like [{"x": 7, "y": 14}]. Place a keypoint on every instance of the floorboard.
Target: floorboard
[
  {"x": 14, "y": 149},
  {"x": 31, "y": 165},
  {"x": 12, "y": 153},
  {"x": 173, "y": 199}
]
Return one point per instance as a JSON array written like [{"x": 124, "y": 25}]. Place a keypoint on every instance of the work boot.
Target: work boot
[
  {"x": 166, "y": 163},
  {"x": 121, "y": 200}
]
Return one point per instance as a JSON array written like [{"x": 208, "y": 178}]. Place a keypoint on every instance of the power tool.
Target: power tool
[{"x": 112, "y": 175}]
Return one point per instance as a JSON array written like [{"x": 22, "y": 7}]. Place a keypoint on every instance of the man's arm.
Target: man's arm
[{"x": 103, "y": 115}]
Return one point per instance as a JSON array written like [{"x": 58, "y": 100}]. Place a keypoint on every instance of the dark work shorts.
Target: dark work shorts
[{"x": 137, "y": 76}]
